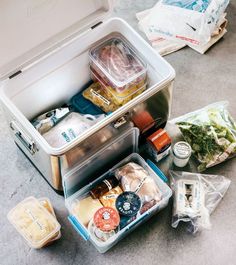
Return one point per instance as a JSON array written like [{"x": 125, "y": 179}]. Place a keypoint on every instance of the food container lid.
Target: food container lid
[
  {"x": 123, "y": 145},
  {"x": 33, "y": 222},
  {"x": 118, "y": 60},
  {"x": 49, "y": 25},
  {"x": 106, "y": 219},
  {"x": 182, "y": 150},
  {"x": 126, "y": 93},
  {"x": 128, "y": 203}
]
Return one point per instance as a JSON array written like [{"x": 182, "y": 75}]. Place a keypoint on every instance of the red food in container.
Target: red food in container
[{"x": 117, "y": 66}]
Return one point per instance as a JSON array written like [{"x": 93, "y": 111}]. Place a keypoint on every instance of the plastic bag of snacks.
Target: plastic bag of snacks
[
  {"x": 195, "y": 197},
  {"x": 70, "y": 127},
  {"x": 211, "y": 132},
  {"x": 186, "y": 21},
  {"x": 46, "y": 121}
]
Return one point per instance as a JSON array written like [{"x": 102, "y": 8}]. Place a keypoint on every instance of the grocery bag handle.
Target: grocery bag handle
[
  {"x": 157, "y": 170},
  {"x": 78, "y": 227}
]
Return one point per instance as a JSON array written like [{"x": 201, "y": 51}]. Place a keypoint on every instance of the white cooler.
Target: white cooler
[{"x": 44, "y": 62}]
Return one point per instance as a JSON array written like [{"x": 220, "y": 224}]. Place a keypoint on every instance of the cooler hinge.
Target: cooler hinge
[
  {"x": 15, "y": 74},
  {"x": 96, "y": 25}
]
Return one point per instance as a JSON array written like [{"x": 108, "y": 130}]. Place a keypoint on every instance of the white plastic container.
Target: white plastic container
[
  {"x": 128, "y": 147},
  {"x": 181, "y": 153},
  {"x": 51, "y": 64}
]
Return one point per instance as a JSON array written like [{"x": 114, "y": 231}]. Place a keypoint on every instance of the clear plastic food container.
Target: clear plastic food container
[
  {"x": 116, "y": 64},
  {"x": 46, "y": 203},
  {"x": 118, "y": 99},
  {"x": 34, "y": 222},
  {"x": 114, "y": 237}
]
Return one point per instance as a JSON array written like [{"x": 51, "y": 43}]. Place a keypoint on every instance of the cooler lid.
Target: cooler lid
[
  {"x": 31, "y": 29},
  {"x": 99, "y": 163}
]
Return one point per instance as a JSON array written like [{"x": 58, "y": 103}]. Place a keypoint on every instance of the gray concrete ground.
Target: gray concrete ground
[{"x": 200, "y": 79}]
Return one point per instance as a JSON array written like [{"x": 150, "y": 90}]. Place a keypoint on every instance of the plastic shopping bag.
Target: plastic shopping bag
[
  {"x": 195, "y": 197},
  {"x": 187, "y": 21},
  {"x": 211, "y": 132}
]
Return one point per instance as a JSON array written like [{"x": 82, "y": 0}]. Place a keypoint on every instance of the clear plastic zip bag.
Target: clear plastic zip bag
[
  {"x": 195, "y": 197},
  {"x": 211, "y": 132}
]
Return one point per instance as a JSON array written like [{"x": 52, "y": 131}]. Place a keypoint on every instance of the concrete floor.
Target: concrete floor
[{"x": 200, "y": 79}]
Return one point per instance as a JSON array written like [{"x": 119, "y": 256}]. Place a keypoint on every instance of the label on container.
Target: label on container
[
  {"x": 69, "y": 135},
  {"x": 96, "y": 94},
  {"x": 159, "y": 140},
  {"x": 35, "y": 219},
  {"x": 106, "y": 219},
  {"x": 128, "y": 203},
  {"x": 189, "y": 197}
]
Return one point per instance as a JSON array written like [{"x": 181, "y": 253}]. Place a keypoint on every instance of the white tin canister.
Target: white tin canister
[{"x": 181, "y": 153}]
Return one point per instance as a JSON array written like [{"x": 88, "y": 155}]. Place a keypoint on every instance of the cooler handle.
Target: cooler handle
[
  {"x": 78, "y": 227},
  {"x": 157, "y": 170},
  {"x": 23, "y": 138}
]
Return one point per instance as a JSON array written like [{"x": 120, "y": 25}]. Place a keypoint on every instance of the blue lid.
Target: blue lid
[{"x": 80, "y": 104}]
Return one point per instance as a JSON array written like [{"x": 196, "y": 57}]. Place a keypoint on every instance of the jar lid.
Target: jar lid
[
  {"x": 182, "y": 150},
  {"x": 128, "y": 203},
  {"x": 106, "y": 219}
]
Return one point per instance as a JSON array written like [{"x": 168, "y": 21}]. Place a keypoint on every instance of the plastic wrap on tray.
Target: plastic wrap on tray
[{"x": 135, "y": 178}]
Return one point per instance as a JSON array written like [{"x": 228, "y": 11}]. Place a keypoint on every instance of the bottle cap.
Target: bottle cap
[{"x": 182, "y": 150}]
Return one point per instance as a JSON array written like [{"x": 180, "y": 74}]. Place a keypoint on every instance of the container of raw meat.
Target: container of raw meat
[{"x": 117, "y": 66}]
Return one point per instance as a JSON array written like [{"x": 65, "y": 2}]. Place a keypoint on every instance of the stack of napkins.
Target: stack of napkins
[{"x": 169, "y": 45}]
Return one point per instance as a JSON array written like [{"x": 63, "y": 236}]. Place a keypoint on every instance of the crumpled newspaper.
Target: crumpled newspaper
[{"x": 164, "y": 46}]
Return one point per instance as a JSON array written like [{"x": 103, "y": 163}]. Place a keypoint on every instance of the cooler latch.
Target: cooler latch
[{"x": 119, "y": 122}]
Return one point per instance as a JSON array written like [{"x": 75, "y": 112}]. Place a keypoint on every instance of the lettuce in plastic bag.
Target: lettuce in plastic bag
[{"x": 211, "y": 132}]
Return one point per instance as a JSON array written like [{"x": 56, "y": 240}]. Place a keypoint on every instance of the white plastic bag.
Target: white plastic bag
[
  {"x": 187, "y": 21},
  {"x": 195, "y": 197},
  {"x": 70, "y": 127}
]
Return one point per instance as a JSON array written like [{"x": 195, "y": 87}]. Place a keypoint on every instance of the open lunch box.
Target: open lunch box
[
  {"x": 45, "y": 61},
  {"x": 125, "y": 147}
]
